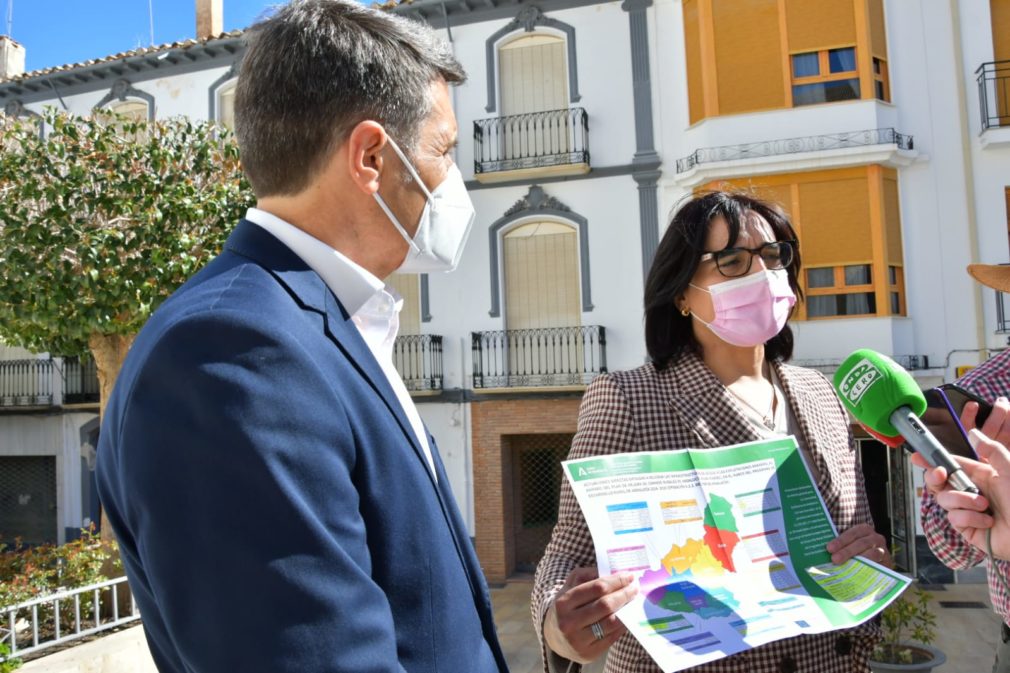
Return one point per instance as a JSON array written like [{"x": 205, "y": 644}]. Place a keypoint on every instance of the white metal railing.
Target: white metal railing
[{"x": 43, "y": 620}]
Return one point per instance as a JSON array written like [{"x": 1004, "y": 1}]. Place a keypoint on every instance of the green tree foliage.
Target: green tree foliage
[{"x": 102, "y": 218}]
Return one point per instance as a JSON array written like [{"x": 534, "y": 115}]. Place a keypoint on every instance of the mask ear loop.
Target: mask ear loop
[
  {"x": 410, "y": 168},
  {"x": 385, "y": 207},
  {"x": 396, "y": 223}
]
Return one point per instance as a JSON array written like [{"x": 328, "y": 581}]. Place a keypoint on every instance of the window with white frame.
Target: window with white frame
[{"x": 226, "y": 105}]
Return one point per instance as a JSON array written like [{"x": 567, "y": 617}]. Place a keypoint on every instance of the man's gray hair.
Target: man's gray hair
[{"x": 314, "y": 70}]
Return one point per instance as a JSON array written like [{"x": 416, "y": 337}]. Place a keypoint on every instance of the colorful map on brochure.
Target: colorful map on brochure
[{"x": 729, "y": 548}]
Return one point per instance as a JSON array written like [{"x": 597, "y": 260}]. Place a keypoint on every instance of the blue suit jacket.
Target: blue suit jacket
[{"x": 273, "y": 507}]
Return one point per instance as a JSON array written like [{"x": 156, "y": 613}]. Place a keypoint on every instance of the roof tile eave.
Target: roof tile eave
[{"x": 141, "y": 51}]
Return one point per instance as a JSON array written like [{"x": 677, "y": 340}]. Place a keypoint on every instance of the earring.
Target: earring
[{"x": 685, "y": 311}]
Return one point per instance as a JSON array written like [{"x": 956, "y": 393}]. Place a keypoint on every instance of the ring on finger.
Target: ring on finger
[{"x": 597, "y": 631}]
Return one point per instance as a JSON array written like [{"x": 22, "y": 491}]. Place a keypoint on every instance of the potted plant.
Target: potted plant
[{"x": 909, "y": 627}]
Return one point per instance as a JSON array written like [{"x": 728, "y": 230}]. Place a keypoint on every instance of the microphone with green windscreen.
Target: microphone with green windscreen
[{"x": 885, "y": 398}]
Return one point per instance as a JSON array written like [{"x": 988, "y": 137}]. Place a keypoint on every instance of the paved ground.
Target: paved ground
[{"x": 966, "y": 634}]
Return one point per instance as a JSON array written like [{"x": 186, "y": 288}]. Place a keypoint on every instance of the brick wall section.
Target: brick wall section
[{"x": 492, "y": 422}]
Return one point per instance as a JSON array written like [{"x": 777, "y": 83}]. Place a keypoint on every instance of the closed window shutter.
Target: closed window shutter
[
  {"x": 409, "y": 287},
  {"x": 542, "y": 277},
  {"x": 533, "y": 75}
]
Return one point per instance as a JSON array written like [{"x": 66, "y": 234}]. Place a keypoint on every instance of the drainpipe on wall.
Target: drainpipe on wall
[{"x": 969, "y": 176}]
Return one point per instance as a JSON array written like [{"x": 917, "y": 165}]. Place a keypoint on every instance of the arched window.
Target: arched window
[
  {"x": 533, "y": 73},
  {"x": 225, "y": 108},
  {"x": 132, "y": 109},
  {"x": 540, "y": 262},
  {"x": 126, "y": 100}
]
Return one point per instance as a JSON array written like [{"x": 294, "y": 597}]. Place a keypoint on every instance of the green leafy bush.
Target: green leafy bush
[
  {"x": 7, "y": 665},
  {"x": 34, "y": 572},
  {"x": 909, "y": 617}
]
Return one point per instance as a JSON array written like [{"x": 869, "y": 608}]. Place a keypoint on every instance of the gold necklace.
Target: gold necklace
[{"x": 768, "y": 419}]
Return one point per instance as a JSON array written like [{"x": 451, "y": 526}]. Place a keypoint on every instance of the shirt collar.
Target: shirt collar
[{"x": 353, "y": 285}]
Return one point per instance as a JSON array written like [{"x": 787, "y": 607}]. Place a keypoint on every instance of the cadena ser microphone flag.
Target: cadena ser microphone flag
[{"x": 885, "y": 398}]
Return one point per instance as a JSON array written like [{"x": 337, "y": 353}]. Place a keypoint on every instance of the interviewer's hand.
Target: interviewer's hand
[
  {"x": 996, "y": 426},
  {"x": 966, "y": 511},
  {"x": 585, "y": 599}
]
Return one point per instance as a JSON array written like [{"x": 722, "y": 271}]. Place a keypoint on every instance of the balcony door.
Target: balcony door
[
  {"x": 534, "y": 80},
  {"x": 409, "y": 354},
  {"x": 543, "y": 303}
]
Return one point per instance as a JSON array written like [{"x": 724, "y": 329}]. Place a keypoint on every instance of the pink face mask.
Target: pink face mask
[{"x": 750, "y": 310}]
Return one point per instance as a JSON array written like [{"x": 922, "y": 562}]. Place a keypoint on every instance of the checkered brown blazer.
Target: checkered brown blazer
[{"x": 686, "y": 406}]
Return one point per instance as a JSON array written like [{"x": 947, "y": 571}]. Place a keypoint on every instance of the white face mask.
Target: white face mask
[{"x": 444, "y": 226}]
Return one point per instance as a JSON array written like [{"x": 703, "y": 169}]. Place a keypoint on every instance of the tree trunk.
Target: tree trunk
[{"x": 109, "y": 351}]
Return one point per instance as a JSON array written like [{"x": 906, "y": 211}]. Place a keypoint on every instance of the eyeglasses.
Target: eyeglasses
[{"x": 734, "y": 262}]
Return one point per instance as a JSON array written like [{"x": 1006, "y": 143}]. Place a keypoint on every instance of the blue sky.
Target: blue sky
[{"x": 56, "y": 32}]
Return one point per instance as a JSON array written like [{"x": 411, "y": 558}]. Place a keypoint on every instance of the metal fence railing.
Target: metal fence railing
[
  {"x": 68, "y": 615},
  {"x": 26, "y": 383},
  {"x": 552, "y": 356},
  {"x": 418, "y": 359},
  {"x": 533, "y": 140},
  {"x": 994, "y": 93},
  {"x": 48, "y": 382},
  {"x": 769, "y": 148}
]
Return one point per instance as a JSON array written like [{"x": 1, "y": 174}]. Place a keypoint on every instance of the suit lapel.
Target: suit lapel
[
  {"x": 805, "y": 408},
  {"x": 252, "y": 241},
  {"x": 312, "y": 294},
  {"x": 704, "y": 404}
]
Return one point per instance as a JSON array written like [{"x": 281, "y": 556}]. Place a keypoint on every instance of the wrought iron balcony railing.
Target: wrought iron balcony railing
[
  {"x": 80, "y": 381},
  {"x": 418, "y": 359},
  {"x": 552, "y": 356},
  {"x": 770, "y": 148},
  {"x": 26, "y": 383},
  {"x": 37, "y": 383},
  {"x": 534, "y": 140},
  {"x": 994, "y": 93}
]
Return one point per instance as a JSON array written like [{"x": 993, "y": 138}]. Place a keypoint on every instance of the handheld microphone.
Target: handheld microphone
[{"x": 886, "y": 400}]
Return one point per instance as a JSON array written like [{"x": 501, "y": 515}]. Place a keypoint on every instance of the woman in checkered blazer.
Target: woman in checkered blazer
[{"x": 717, "y": 299}]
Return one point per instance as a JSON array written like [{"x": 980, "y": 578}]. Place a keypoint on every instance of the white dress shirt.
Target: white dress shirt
[{"x": 374, "y": 307}]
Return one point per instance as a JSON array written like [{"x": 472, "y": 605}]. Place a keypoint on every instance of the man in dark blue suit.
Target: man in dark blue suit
[{"x": 278, "y": 502}]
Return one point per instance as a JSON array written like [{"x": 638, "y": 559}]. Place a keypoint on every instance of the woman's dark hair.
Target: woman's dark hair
[{"x": 668, "y": 334}]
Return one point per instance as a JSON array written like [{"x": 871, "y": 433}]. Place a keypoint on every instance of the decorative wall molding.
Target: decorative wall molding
[
  {"x": 646, "y": 159},
  {"x": 216, "y": 86},
  {"x": 16, "y": 108},
  {"x": 122, "y": 90},
  {"x": 528, "y": 18},
  {"x": 538, "y": 203},
  {"x": 425, "y": 299}
]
